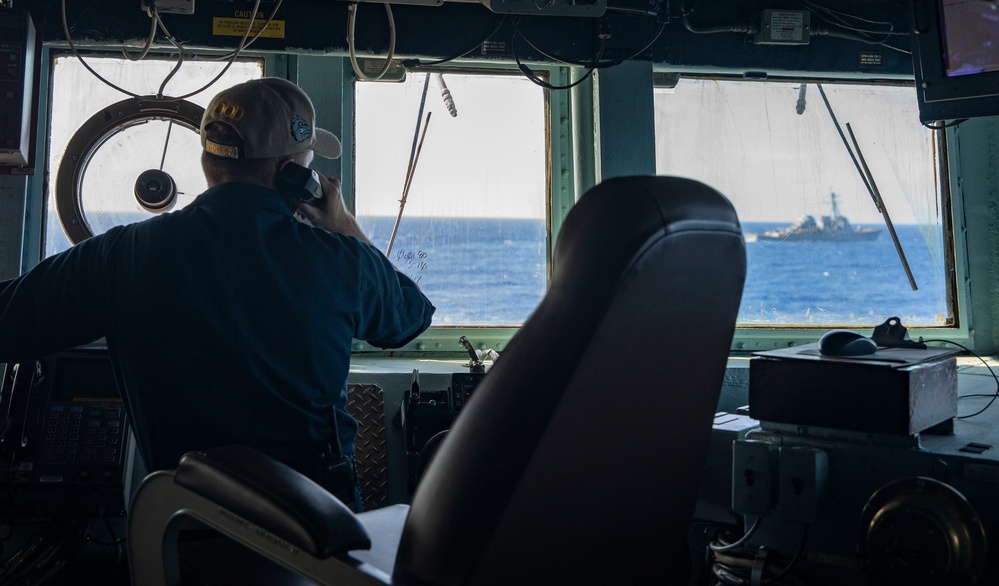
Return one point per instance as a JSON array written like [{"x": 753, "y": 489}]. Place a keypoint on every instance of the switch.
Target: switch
[
  {"x": 754, "y": 476},
  {"x": 804, "y": 477}
]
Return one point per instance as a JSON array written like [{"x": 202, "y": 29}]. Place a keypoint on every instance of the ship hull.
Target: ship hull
[{"x": 862, "y": 235}]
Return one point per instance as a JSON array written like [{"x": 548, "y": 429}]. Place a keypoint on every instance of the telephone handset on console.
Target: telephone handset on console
[{"x": 299, "y": 184}]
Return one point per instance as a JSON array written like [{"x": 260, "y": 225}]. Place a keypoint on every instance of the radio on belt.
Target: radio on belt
[{"x": 894, "y": 390}]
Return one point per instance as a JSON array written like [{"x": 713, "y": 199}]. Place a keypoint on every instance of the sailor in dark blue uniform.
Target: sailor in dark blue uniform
[{"x": 229, "y": 321}]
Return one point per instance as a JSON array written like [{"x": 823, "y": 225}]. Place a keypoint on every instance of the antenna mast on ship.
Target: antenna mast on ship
[{"x": 835, "y": 206}]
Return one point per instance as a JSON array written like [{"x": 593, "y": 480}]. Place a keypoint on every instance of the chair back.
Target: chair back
[{"x": 578, "y": 457}]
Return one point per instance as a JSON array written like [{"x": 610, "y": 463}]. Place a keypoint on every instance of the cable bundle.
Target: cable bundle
[{"x": 734, "y": 564}]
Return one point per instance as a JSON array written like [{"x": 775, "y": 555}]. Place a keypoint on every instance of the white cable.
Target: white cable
[
  {"x": 183, "y": 51},
  {"x": 245, "y": 43},
  {"x": 69, "y": 39},
  {"x": 351, "y": 19},
  {"x": 262, "y": 28},
  {"x": 149, "y": 40},
  {"x": 737, "y": 544},
  {"x": 231, "y": 56}
]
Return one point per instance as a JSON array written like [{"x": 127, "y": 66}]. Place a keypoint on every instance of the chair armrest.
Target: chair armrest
[{"x": 274, "y": 497}]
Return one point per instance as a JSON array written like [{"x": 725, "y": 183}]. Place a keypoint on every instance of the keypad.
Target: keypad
[{"x": 90, "y": 433}]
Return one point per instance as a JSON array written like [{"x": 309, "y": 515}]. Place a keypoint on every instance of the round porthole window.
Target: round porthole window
[{"x": 135, "y": 181}]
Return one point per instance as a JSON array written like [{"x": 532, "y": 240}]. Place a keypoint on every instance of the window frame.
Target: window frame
[
  {"x": 755, "y": 338},
  {"x": 334, "y": 79},
  {"x": 36, "y": 213},
  {"x": 562, "y": 180},
  {"x": 560, "y": 197}
]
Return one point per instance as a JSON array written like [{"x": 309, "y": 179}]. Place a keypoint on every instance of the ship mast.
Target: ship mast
[{"x": 835, "y": 206}]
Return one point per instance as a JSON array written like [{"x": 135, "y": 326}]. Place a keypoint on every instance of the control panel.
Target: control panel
[
  {"x": 427, "y": 415},
  {"x": 462, "y": 385},
  {"x": 65, "y": 435},
  {"x": 17, "y": 57},
  {"x": 79, "y": 438},
  {"x": 837, "y": 506}
]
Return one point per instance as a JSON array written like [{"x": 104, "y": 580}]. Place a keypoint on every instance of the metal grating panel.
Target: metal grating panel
[{"x": 366, "y": 404}]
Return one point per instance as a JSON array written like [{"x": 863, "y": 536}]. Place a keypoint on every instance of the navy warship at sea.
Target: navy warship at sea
[{"x": 834, "y": 228}]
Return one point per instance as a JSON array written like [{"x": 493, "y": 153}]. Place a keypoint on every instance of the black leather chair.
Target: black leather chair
[{"x": 577, "y": 459}]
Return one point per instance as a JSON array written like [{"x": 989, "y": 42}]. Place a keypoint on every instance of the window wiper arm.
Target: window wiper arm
[
  {"x": 880, "y": 203},
  {"x": 868, "y": 178},
  {"x": 414, "y": 159}
]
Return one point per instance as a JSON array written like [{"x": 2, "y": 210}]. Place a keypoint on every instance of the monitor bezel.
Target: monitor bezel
[{"x": 942, "y": 97}]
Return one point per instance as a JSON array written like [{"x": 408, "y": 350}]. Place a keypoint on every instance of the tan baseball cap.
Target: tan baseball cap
[{"x": 272, "y": 116}]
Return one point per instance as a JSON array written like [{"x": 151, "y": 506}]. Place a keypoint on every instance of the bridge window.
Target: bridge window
[
  {"x": 472, "y": 216},
  {"x": 106, "y": 192},
  {"x": 475, "y": 229},
  {"x": 820, "y": 253}
]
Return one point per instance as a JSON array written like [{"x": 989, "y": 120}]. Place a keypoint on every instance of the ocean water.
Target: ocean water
[
  {"x": 492, "y": 272},
  {"x": 821, "y": 283},
  {"x": 488, "y": 272}
]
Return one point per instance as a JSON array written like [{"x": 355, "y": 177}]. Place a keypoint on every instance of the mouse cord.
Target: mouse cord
[{"x": 992, "y": 372}]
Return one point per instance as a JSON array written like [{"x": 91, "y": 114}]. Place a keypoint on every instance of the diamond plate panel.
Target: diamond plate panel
[{"x": 366, "y": 404}]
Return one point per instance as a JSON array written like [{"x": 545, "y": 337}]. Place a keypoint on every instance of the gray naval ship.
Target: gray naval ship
[{"x": 833, "y": 228}]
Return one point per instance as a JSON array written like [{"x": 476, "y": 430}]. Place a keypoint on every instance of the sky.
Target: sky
[
  {"x": 747, "y": 140},
  {"x": 488, "y": 161}
]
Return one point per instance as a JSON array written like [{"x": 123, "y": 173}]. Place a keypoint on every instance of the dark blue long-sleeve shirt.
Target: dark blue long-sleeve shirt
[{"x": 227, "y": 322}]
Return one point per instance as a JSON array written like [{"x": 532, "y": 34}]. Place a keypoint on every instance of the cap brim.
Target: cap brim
[{"x": 327, "y": 144}]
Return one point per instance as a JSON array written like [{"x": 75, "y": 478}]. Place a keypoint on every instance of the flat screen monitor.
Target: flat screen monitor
[{"x": 956, "y": 58}]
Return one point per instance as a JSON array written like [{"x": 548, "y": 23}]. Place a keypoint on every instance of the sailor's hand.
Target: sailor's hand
[{"x": 331, "y": 213}]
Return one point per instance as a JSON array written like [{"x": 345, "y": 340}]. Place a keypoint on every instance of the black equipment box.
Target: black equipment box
[
  {"x": 895, "y": 390},
  {"x": 72, "y": 435},
  {"x": 17, "y": 69}
]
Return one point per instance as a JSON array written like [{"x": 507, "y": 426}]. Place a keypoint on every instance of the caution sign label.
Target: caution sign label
[{"x": 236, "y": 27}]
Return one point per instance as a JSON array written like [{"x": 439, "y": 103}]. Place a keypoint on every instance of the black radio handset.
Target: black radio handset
[
  {"x": 14, "y": 438},
  {"x": 299, "y": 183}
]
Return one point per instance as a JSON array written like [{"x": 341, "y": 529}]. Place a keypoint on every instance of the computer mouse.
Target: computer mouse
[{"x": 846, "y": 343}]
